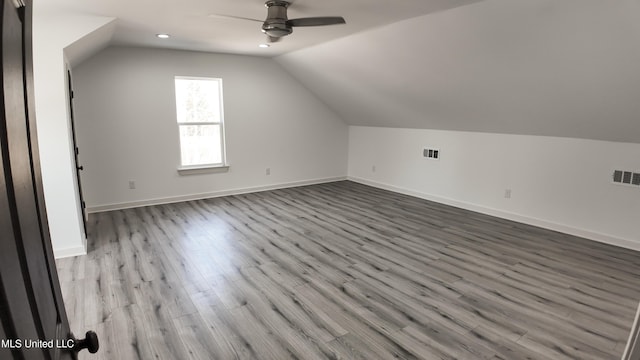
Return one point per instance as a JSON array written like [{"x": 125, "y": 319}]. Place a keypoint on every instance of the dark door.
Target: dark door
[
  {"x": 76, "y": 152},
  {"x": 34, "y": 321}
]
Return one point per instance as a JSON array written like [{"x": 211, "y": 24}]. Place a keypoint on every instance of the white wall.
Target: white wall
[
  {"x": 52, "y": 32},
  {"x": 558, "y": 183},
  {"x": 126, "y": 127}
]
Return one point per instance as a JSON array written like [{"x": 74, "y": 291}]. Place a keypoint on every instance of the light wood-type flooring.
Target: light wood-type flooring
[{"x": 344, "y": 271}]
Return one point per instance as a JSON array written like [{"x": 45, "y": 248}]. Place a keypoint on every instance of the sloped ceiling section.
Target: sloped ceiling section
[
  {"x": 90, "y": 44},
  {"x": 192, "y": 28},
  {"x": 566, "y": 68}
]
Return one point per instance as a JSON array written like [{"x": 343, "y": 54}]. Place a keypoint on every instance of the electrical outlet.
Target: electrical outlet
[
  {"x": 373, "y": 168},
  {"x": 268, "y": 171},
  {"x": 132, "y": 184},
  {"x": 507, "y": 193}
]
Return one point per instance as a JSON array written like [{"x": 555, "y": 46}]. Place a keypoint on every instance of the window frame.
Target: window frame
[{"x": 188, "y": 169}]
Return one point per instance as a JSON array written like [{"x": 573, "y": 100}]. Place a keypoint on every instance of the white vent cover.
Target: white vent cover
[
  {"x": 626, "y": 177},
  {"x": 431, "y": 153}
]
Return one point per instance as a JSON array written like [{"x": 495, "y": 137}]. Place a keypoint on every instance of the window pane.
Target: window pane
[
  {"x": 200, "y": 144},
  {"x": 197, "y": 100}
]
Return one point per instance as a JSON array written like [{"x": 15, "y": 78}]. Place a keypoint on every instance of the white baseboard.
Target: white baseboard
[
  {"x": 208, "y": 195},
  {"x": 69, "y": 252},
  {"x": 566, "y": 229}
]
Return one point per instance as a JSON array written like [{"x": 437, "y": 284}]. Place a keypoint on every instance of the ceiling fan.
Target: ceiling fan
[{"x": 278, "y": 25}]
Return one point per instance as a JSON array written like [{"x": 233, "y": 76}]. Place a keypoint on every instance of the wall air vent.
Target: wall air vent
[
  {"x": 431, "y": 153},
  {"x": 626, "y": 177}
]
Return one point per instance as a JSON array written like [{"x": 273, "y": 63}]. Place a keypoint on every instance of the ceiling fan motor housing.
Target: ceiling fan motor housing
[{"x": 276, "y": 23}]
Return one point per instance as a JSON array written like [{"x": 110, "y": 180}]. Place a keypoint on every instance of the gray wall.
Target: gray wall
[{"x": 126, "y": 126}]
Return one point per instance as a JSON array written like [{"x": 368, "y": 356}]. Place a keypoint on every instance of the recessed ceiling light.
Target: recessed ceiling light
[
  {"x": 264, "y": 46},
  {"x": 163, "y": 36}
]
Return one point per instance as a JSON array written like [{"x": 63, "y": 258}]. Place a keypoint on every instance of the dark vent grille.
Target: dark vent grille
[
  {"x": 617, "y": 176},
  {"x": 626, "y": 177},
  {"x": 431, "y": 153}
]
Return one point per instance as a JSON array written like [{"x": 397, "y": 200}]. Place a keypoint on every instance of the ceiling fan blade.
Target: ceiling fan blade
[
  {"x": 220, "y": 16},
  {"x": 316, "y": 21}
]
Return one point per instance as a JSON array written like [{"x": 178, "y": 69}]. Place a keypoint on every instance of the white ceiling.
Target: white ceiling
[
  {"x": 568, "y": 68},
  {"x": 192, "y": 28},
  {"x": 565, "y": 68}
]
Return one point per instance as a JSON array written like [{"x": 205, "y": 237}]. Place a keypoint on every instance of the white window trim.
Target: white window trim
[{"x": 205, "y": 168}]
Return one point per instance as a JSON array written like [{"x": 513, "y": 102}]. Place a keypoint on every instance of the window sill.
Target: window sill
[{"x": 203, "y": 169}]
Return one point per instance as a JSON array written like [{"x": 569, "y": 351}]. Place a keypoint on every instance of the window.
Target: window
[{"x": 200, "y": 121}]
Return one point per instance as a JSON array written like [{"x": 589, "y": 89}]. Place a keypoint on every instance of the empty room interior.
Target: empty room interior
[{"x": 418, "y": 179}]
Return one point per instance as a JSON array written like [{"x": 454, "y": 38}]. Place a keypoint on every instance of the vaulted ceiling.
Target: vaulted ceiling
[
  {"x": 193, "y": 25},
  {"x": 565, "y": 68},
  {"x": 568, "y": 68}
]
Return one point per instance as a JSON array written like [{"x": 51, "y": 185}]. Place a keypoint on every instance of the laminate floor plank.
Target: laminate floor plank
[
  {"x": 196, "y": 337},
  {"x": 226, "y": 341},
  {"x": 505, "y": 348},
  {"x": 160, "y": 331},
  {"x": 454, "y": 346},
  {"x": 258, "y": 336},
  {"x": 537, "y": 321},
  {"x": 73, "y": 295},
  {"x": 414, "y": 307},
  {"x": 130, "y": 338},
  {"x": 72, "y": 268},
  {"x": 284, "y": 303},
  {"x": 344, "y": 271},
  {"x": 559, "y": 347},
  {"x": 354, "y": 318}
]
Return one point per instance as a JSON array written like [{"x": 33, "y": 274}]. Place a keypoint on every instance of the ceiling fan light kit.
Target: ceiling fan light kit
[{"x": 278, "y": 25}]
